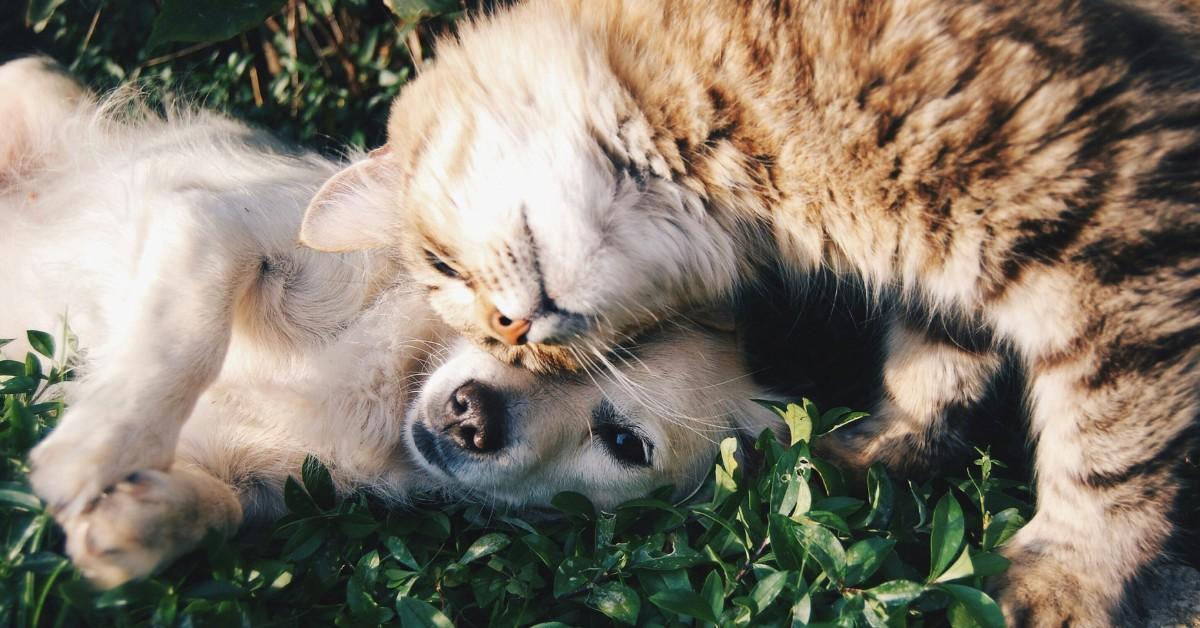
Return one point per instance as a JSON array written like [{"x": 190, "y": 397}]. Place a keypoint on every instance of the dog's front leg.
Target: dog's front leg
[
  {"x": 170, "y": 331},
  {"x": 148, "y": 520}
]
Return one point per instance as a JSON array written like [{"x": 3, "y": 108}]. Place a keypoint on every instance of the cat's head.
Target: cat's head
[{"x": 525, "y": 192}]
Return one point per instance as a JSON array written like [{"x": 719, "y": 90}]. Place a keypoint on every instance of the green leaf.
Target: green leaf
[
  {"x": 572, "y": 575},
  {"x": 824, "y": 547},
  {"x": 211, "y": 20},
  {"x": 919, "y": 499},
  {"x": 297, "y": 498},
  {"x": 684, "y": 603},
  {"x": 573, "y": 503},
  {"x": 714, "y": 592},
  {"x": 767, "y": 589},
  {"x": 975, "y": 606},
  {"x": 484, "y": 546},
  {"x": 829, "y": 520},
  {"x": 616, "y": 601},
  {"x": 213, "y": 590},
  {"x": 789, "y": 552},
  {"x": 356, "y": 525},
  {"x": 546, "y": 550},
  {"x": 401, "y": 552},
  {"x": 39, "y": 12},
  {"x": 838, "y": 418},
  {"x": 989, "y": 564},
  {"x": 18, "y": 385},
  {"x": 802, "y": 610},
  {"x": 897, "y": 592},
  {"x": 831, "y": 477},
  {"x": 305, "y": 540},
  {"x": 412, "y": 11},
  {"x": 1002, "y": 527},
  {"x": 961, "y": 568},
  {"x": 41, "y": 342},
  {"x": 12, "y": 368},
  {"x": 947, "y": 534},
  {"x": 729, "y": 454},
  {"x": 725, "y": 483},
  {"x": 414, "y": 613},
  {"x": 881, "y": 496},
  {"x": 653, "y": 555},
  {"x": 790, "y": 494},
  {"x": 17, "y": 498},
  {"x": 800, "y": 424},
  {"x": 33, "y": 366},
  {"x": 840, "y": 505},
  {"x": 318, "y": 482},
  {"x": 864, "y": 558}
]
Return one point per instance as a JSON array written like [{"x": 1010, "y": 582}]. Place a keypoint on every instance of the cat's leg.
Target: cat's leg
[
  {"x": 1115, "y": 407},
  {"x": 167, "y": 343},
  {"x": 931, "y": 381},
  {"x": 148, "y": 520}
]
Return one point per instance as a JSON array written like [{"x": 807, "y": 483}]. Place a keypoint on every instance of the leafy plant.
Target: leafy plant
[
  {"x": 320, "y": 72},
  {"x": 790, "y": 543}
]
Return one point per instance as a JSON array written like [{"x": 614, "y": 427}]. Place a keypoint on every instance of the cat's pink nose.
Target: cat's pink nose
[{"x": 507, "y": 330}]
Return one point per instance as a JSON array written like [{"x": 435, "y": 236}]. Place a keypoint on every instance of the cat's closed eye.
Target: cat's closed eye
[{"x": 440, "y": 265}]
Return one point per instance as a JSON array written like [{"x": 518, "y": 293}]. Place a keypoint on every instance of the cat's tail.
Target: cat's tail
[{"x": 38, "y": 98}]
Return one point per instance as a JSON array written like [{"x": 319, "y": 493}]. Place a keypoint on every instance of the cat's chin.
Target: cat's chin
[{"x": 539, "y": 358}]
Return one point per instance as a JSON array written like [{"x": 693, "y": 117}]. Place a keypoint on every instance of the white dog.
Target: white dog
[{"x": 217, "y": 353}]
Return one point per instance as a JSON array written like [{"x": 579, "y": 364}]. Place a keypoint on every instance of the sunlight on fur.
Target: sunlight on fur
[{"x": 217, "y": 354}]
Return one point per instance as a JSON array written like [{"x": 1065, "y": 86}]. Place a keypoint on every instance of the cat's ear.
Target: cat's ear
[
  {"x": 352, "y": 212},
  {"x": 715, "y": 318}
]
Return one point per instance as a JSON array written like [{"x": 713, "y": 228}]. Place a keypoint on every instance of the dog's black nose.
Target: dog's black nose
[{"x": 474, "y": 418}]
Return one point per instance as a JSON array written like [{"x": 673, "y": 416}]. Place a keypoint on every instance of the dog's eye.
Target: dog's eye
[
  {"x": 622, "y": 442},
  {"x": 441, "y": 266},
  {"x": 625, "y": 445}
]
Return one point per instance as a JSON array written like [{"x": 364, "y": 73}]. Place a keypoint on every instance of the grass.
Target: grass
[{"x": 790, "y": 543}]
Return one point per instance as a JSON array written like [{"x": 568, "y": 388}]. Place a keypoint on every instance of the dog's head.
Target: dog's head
[{"x": 644, "y": 417}]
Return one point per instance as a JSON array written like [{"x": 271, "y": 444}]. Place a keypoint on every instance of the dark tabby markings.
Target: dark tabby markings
[
  {"x": 620, "y": 162},
  {"x": 1163, "y": 459},
  {"x": 1114, "y": 261},
  {"x": 889, "y": 126},
  {"x": 725, "y": 121},
  {"x": 1122, "y": 357},
  {"x": 1045, "y": 240},
  {"x": 1174, "y": 180},
  {"x": 967, "y": 333},
  {"x": 865, "y": 92}
]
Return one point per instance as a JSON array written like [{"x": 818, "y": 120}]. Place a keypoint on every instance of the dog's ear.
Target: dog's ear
[
  {"x": 37, "y": 97},
  {"x": 353, "y": 211}
]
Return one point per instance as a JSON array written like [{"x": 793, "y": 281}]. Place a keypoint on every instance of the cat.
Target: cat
[
  {"x": 1013, "y": 176},
  {"x": 215, "y": 354}
]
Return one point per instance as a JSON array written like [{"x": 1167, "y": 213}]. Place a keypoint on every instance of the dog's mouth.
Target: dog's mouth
[{"x": 428, "y": 452}]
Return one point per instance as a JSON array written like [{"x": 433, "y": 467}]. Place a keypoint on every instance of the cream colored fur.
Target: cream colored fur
[{"x": 216, "y": 354}]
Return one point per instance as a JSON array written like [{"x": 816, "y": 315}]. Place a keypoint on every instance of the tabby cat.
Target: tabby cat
[{"x": 1019, "y": 176}]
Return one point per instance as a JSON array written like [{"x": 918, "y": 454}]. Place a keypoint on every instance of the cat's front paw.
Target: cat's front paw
[
  {"x": 87, "y": 454},
  {"x": 1038, "y": 591},
  {"x": 145, "y": 522}
]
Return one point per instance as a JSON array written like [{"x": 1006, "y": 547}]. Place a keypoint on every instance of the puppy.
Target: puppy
[{"x": 216, "y": 354}]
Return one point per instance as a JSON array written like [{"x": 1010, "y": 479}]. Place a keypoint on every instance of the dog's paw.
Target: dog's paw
[
  {"x": 146, "y": 521},
  {"x": 87, "y": 455}
]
